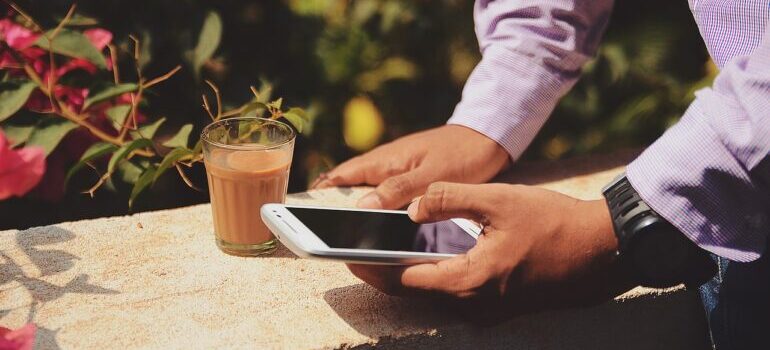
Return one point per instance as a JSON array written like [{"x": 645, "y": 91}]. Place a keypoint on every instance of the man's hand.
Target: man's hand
[
  {"x": 403, "y": 168},
  {"x": 539, "y": 249}
]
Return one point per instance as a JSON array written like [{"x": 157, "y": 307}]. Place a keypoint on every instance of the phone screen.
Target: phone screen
[{"x": 383, "y": 231}]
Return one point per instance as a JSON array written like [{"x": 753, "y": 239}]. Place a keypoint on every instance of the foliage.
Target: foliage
[{"x": 44, "y": 62}]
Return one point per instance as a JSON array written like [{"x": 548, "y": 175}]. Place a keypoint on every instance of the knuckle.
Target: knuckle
[
  {"x": 398, "y": 184},
  {"x": 436, "y": 197},
  {"x": 477, "y": 279}
]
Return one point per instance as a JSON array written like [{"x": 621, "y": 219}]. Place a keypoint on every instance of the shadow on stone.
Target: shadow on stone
[
  {"x": 673, "y": 321},
  {"x": 281, "y": 252},
  {"x": 345, "y": 191},
  {"x": 49, "y": 262},
  {"x": 375, "y": 314},
  {"x": 300, "y": 195}
]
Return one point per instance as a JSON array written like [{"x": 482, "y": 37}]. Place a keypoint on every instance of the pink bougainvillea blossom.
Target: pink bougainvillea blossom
[
  {"x": 20, "y": 169},
  {"x": 20, "y": 339},
  {"x": 17, "y": 36},
  {"x": 99, "y": 37},
  {"x": 22, "y": 39}
]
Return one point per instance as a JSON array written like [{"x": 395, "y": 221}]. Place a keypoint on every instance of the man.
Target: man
[{"x": 704, "y": 186}]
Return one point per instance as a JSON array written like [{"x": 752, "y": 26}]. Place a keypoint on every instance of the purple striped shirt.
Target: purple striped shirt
[{"x": 709, "y": 174}]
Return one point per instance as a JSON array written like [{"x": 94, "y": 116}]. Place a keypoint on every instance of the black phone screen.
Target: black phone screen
[{"x": 383, "y": 231}]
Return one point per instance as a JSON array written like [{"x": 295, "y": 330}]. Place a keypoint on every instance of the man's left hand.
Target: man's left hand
[{"x": 539, "y": 249}]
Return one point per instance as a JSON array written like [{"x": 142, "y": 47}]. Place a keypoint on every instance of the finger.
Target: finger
[
  {"x": 348, "y": 173},
  {"x": 459, "y": 276},
  {"x": 443, "y": 200},
  {"x": 395, "y": 191},
  {"x": 355, "y": 171},
  {"x": 318, "y": 180}
]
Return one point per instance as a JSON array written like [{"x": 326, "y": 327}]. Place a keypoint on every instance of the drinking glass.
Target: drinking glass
[{"x": 247, "y": 165}]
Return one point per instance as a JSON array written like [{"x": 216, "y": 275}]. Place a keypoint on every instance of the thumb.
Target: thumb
[
  {"x": 395, "y": 191},
  {"x": 444, "y": 200}
]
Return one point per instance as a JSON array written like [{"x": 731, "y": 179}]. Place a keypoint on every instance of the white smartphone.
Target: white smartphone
[{"x": 366, "y": 236}]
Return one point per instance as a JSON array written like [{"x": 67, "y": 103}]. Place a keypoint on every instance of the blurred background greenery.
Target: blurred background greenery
[{"x": 371, "y": 71}]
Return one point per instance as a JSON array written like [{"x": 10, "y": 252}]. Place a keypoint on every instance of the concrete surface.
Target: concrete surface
[{"x": 156, "y": 280}]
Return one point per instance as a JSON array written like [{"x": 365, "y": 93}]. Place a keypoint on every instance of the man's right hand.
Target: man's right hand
[{"x": 404, "y": 168}]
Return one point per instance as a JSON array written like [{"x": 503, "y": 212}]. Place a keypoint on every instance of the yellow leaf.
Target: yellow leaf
[{"x": 362, "y": 124}]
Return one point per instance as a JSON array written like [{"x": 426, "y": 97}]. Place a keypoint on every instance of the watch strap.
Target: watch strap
[{"x": 625, "y": 206}]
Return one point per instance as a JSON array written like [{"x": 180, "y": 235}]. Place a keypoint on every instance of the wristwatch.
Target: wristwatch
[{"x": 653, "y": 250}]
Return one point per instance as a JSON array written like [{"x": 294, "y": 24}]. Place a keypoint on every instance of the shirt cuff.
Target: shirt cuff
[
  {"x": 690, "y": 178},
  {"x": 508, "y": 98}
]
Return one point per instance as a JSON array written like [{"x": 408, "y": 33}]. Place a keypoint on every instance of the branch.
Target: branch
[
  {"x": 18, "y": 9},
  {"x": 219, "y": 98},
  {"x": 254, "y": 91},
  {"x": 234, "y": 111},
  {"x": 136, "y": 46},
  {"x": 132, "y": 117},
  {"x": 114, "y": 57},
  {"x": 185, "y": 178},
  {"x": 162, "y": 77},
  {"x": 63, "y": 22},
  {"x": 106, "y": 176},
  {"x": 207, "y": 107}
]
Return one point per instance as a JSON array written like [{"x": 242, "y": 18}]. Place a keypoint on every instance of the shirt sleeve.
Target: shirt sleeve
[
  {"x": 709, "y": 174},
  {"x": 532, "y": 52}
]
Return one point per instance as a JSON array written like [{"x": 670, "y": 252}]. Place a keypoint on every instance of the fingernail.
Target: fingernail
[
  {"x": 412, "y": 209},
  {"x": 322, "y": 177},
  {"x": 370, "y": 201}
]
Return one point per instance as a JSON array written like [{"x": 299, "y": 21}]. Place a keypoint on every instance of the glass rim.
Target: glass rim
[{"x": 249, "y": 146}]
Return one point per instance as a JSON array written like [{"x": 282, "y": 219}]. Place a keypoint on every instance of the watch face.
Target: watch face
[{"x": 660, "y": 254}]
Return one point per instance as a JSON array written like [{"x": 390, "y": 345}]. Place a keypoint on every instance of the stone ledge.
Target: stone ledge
[{"x": 156, "y": 280}]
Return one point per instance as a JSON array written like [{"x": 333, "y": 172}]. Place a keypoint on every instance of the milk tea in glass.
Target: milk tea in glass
[{"x": 247, "y": 164}]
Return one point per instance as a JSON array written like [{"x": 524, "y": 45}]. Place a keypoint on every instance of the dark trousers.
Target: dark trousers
[{"x": 737, "y": 302}]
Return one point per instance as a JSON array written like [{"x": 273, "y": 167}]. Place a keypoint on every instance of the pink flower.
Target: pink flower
[
  {"x": 20, "y": 170},
  {"x": 16, "y": 35},
  {"x": 72, "y": 97},
  {"x": 99, "y": 37},
  {"x": 20, "y": 39},
  {"x": 20, "y": 339}
]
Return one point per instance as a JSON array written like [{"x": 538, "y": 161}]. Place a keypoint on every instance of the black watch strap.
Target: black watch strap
[
  {"x": 657, "y": 253},
  {"x": 626, "y": 206}
]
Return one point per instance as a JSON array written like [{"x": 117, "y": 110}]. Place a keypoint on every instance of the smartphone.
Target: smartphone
[{"x": 366, "y": 236}]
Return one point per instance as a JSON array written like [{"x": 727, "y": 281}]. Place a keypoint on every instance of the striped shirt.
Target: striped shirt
[{"x": 709, "y": 174}]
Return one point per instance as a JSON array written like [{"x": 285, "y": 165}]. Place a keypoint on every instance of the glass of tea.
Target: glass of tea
[{"x": 247, "y": 164}]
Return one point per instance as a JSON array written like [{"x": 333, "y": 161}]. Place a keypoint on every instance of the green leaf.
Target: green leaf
[
  {"x": 295, "y": 120},
  {"x": 49, "y": 132},
  {"x": 18, "y": 134},
  {"x": 79, "y": 20},
  {"x": 253, "y": 109},
  {"x": 208, "y": 40},
  {"x": 170, "y": 159},
  {"x": 298, "y": 118},
  {"x": 198, "y": 147},
  {"x": 95, "y": 151},
  {"x": 13, "y": 96},
  {"x": 103, "y": 92},
  {"x": 125, "y": 150},
  {"x": 129, "y": 172},
  {"x": 277, "y": 103},
  {"x": 141, "y": 183},
  {"x": 118, "y": 114},
  {"x": 73, "y": 44},
  {"x": 299, "y": 112},
  {"x": 180, "y": 139},
  {"x": 147, "y": 131}
]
